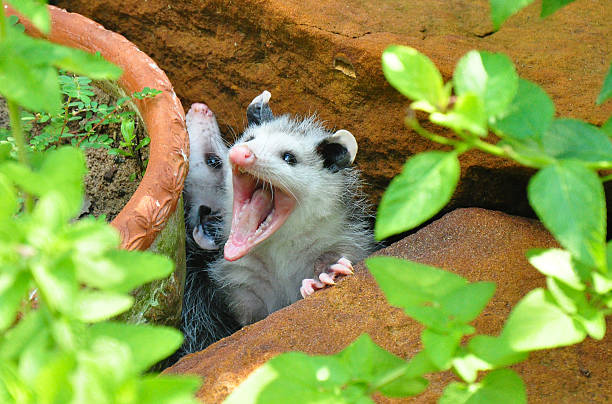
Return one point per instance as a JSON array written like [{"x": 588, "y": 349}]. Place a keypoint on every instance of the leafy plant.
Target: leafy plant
[
  {"x": 85, "y": 123},
  {"x": 62, "y": 281},
  {"x": 485, "y": 95}
]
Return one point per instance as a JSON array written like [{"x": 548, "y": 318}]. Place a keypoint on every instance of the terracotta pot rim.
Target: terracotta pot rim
[{"x": 155, "y": 199}]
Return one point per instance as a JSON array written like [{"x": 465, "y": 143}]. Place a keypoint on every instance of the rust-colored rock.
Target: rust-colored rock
[
  {"x": 324, "y": 56},
  {"x": 478, "y": 244}
]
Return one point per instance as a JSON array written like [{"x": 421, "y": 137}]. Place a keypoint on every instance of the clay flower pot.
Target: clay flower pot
[{"x": 153, "y": 218}]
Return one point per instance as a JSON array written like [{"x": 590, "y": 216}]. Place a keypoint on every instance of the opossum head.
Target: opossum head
[
  {"x": 284, "y": 169},
  {"x": 204, "y": 185}
]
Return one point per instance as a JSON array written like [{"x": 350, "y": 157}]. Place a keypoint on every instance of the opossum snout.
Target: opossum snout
[
  {"x": 200, "y": 109},
  {"x": 242, "y": 156}
]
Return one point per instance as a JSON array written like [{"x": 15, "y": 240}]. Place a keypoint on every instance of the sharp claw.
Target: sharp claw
[
  {"x": 341, "y": 269},
  {"x": 326, "y": 279},
  {"x": 344, "y": 261}
]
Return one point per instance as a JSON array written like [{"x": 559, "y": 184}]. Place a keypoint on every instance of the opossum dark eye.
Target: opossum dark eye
[
  {"x": 289, "y": 158},
  {"x": 213, "y": 161}
]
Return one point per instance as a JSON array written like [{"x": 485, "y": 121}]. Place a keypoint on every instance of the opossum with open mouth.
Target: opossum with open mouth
[{"x": 295, "y": 217}]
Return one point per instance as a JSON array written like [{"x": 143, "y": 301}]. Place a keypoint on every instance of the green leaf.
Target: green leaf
[
  {"x": 16, "y": 339},
  {"x": 34, "y": 357},
  {"x": 80, "y": 62},
  {"x": 92, "y": 238},
  {"x": 53, "y": 377},
  {"x": 467, "y": 114},
  {"x": 468, "y": 365},
  {"x": 51, "y": 213},
  {"x": 88, "y": 385},
  {"x": 127, "y": 130},
  {"x": 168, "y": 389},
  {"x": 407, "y": 283},
  {"x": 440, "y": 348},
  {"x": 35, "y": 11},
  {"x": 550, "y": 6},
  {"x": 92, "y": 307},
  {"x": 538, "y": 323},
  {"x": 161, "y": 341},
  {"x": 5, "y": 150},
  {"x": 57, "y": 283},
  {"x": 466, "y": 302},
  {"x": 502, "y": 9},
  {"x": 414, "y": 75},
  {"x": 556, "y": 263},
  {"x": 573, "y": 139},
  {"x": 529, "y": 114},
  {"x": 495, "y": 351},
  {"x": 63, "y": 170},
  {"x": 570, "y": 188},
  {"x": 601, "y": 283},
  {"x": 12, "y": 290},
  {"x": 419, "y": 365},
  {"x": 501, "y": 386},
  {"x": 593, "y": 321},
  {"x": 567, "y": 298},
  {"x": 368, "y": 363},
  {"x": 605, "y": 128},
  {"x": 425, "y": 185},
  {"x": 606, "y": 88},
  {"x": 490, "y": 76},
  {"x": 417, "y": 289},
  {"x": 293, "y": 377},
  {"x": 8, "y": 199},
  {"x": 139, "y": 267},
  {"x": 32, "y": 86}
]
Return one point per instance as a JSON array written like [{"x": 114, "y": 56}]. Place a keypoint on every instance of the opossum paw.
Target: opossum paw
[
  {"x": 309, "y": 286},
  {"x": 342, "y": 267}
]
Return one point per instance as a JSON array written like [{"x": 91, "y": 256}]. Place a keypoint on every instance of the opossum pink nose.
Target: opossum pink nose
[
  {"x": 200, "y": 108},
  {"x": 242, "y": 156}
]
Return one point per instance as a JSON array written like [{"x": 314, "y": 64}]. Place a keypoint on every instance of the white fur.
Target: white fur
[{"x": 328, "y": 222}]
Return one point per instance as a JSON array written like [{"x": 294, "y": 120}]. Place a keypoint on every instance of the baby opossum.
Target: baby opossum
[
  {"x": 205, "y": 316},
  {"x": 294, "y": 213}
]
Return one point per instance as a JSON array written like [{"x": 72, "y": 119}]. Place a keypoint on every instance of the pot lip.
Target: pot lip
[{"x": 157, "y": 195}]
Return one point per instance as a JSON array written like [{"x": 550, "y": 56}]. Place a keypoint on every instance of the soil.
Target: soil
[{"x": 109, "y": 183}]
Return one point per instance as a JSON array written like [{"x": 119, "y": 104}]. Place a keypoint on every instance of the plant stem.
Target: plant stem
[
  {"x": 416, "y": 126},
  {"x": 93, "y": 128},
  {"x": 17, "y": 132},
  {"x": 389, "y": 377},
  {"x": 471, "y": 141},
  {"x": 57, "y": 143}
]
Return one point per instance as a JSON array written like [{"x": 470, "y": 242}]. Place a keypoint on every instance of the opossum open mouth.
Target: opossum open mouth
[{"x": 259, "y": 210}]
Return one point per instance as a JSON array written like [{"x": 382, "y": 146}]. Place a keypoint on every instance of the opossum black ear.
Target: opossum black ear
[
  {"x": 258, "y": 110},
  {"x": 338, "y": 151}
]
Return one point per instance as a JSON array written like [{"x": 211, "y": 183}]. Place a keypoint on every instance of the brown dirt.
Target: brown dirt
[
  {"x": 324, "y": 56},
  {"x": 108, "y": 186},
  {"x": 477, "y": 244}
]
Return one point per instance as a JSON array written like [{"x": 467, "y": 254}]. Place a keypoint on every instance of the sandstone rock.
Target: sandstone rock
[
  {"x": 324, "y": 56},
  {"x": 474, "y": 243}
]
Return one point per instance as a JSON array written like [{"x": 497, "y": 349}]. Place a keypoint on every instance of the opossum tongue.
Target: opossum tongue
[{"x": 255, "y": 217}]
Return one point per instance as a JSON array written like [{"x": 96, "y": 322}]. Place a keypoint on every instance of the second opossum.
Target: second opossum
[{"x": 294, "y": 213}]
